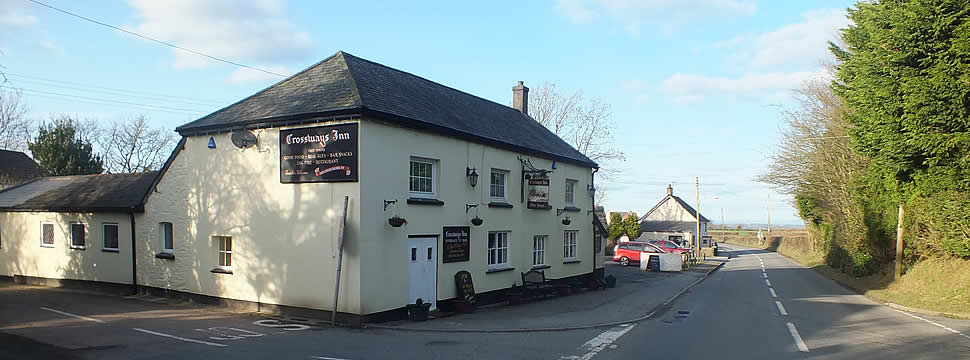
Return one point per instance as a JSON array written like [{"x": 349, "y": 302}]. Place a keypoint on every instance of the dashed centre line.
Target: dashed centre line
[
  {"x": 72, "y": 315},
  {"x": 768, "y": 282},
  {"x": 781, "y": 308},
  {"x": 798, "y": 338},
  {"x": 773, "y": 292}
]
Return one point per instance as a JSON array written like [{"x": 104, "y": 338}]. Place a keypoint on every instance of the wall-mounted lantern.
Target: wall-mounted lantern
[
  {"x": 472, "y": 176},
  {"x": 591, "y": 190}
]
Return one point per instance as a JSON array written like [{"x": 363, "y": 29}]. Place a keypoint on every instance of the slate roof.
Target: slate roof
[
  {"x": 670, "y": 226},
  {"x": 679, "y": 201},
  {"x": 345, "y": 85},
  {"x": 82, "y": 193},
  {"x": 16, "y": 167}
]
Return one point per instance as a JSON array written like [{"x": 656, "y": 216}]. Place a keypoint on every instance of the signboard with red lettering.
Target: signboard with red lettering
[{"x": 319, "y": 154}]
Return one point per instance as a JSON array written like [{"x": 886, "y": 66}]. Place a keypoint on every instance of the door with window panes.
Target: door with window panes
[{"x": 423, "y": 270}]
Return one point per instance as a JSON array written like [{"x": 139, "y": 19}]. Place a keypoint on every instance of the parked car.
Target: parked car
[
  {"x": 629, "y": 252},
  {"x": 669, "y": 246}
]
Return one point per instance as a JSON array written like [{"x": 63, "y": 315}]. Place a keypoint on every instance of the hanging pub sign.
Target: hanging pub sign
[
  {"x": 456, "y": 244},
  {"x": 538, "y": 186},
  {"x": 319, "y": 154}
]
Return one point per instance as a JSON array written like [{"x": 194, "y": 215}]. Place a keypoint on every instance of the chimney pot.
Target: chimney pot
[
  {"x": 670, "y": 190},
  {"x": 520, "y": 98}
]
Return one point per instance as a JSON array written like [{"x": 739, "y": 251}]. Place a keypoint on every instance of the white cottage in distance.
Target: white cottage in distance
[{"x": 673, "y": 219}]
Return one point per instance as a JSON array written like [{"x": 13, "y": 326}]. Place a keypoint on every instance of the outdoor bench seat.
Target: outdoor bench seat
[{"x": 534, "y": 283}]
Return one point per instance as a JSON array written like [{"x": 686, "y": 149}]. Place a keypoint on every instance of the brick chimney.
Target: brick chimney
[
  {"x": 520, "y": 98},
  {"x": 670, "y": 190}
]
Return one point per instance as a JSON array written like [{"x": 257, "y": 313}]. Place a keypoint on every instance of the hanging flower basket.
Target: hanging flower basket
[
  {"x": 477, "y": 221},
  {"x": 566, "y": 221},
  {"x": 397, "y": 221}
]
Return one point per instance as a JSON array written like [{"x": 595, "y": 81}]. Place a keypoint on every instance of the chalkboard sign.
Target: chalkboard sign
[
  {"x": 653, "y": 263},
  {"x": 456, "y": 245},
  {"x": 465, "y": 287}
]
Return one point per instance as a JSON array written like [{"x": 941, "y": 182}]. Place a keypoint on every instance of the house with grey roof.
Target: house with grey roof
[
  {"x": 16, "y": 167},
  {"x": 673, "y": 219}
]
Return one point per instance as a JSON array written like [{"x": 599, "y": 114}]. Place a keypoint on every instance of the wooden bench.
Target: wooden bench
[{"x": 534, "y": 283}]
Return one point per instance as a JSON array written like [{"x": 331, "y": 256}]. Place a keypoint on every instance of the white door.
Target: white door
[{"x": 423, "y": 270}]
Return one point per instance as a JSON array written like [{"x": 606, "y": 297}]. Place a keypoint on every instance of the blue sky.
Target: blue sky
[{"x": 694, "y": 85}]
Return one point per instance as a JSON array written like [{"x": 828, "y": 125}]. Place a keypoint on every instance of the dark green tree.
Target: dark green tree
[
  {"x": 60, "y": 150},
  {"x": 616, "y": 227},
  {"x": 631, "y": 226}
]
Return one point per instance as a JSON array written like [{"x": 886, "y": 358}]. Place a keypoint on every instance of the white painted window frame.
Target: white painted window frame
[
  {"x": 223, "y": 252},
  {"x": 53, "y": 234},
  {"x": 104, "y": 236},
  {"x": 497, "y": 249},
  {"x": 569, "y": 192},
  {"x": 539, "y": 244},
  {"x": 434, "y": 178},
  {"x": 84, "y": 229},
  {"x": 504, "y": 186},
  {"x": 171, "y": 232},
  {"x": 569, "y": 244}
]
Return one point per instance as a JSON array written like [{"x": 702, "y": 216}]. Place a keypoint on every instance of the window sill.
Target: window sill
[
  {"x": 571, "y": 261},
  {"x": 540, "y": 267},
  {"x": 47, "y": 246},
  {"x": 572, "y": 208},
  {"x": 73, "y": 247},
  {"x": 221, "y": 270},
  {"x": 423, "y": 201},
  {"x": 501, "y": 269},
  {"x": 110, "y": 250},
  {"x": 547, "y": 207},
  {"x": 165, "y": 255},
  {"x": 503, "y": 205}
]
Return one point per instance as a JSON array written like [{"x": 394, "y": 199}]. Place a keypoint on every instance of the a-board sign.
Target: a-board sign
[
  {"x": 465, "y": 287},
  {"x": 538, "y": 192},
  {"x": 319, "y": 154},
  {"x": 653, "y": 263},
  {"x": 456, "y": 243}
]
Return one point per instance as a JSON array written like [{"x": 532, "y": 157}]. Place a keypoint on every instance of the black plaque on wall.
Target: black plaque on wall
[
  {"x": 456, "y": 243},
  {"x": 319, "y": 154},
  {"x": 465, "y": 287}
]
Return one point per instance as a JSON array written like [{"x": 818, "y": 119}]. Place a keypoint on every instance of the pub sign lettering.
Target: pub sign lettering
[
  {"x": 538, "y": 192},
  {"x": 319, "y": 154},
  {"x": 456, "y": 243}
]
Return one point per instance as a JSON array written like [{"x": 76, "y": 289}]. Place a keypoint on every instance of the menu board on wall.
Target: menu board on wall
[
  {"x": 538, "y": 193},
  {"x": 319, "y": 154},
  {"x": 456, "y": 243}
]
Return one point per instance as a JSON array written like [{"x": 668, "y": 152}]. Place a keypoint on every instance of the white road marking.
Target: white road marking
[
  {"x": 765, "y": 275},
  {"x": 600, "y": 342},
  {"x": 72, "y": 315},
  {"x": 768, "y": 282},
  {"x": 781, "y": 308},
  {"x": 179, "y": 337},
  {"x": 773, "y": 292},
  {"x": 326, "y": 358},
  {"x": 798, "y": 338},
  {"x": 273, "y": 323},
  {"x": 944, "y": 327}
]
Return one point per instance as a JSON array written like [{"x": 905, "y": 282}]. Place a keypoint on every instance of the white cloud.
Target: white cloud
[
  {"x": 13, "y": 15},
  {"x": 251, "y": 30},
  {"x": 691, "y": 88},
  {"x": 802, "y": 43},
  {"x": 245, "y": 75},
  {"x": 667, "y": 14},
  {"x": 637, "y": 89}
]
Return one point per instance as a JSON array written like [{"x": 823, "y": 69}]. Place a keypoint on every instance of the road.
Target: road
[{"x": 761, "y": 305}]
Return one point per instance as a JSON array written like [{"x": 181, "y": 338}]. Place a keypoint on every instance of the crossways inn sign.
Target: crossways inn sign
[{"x": 319, "y": 154}]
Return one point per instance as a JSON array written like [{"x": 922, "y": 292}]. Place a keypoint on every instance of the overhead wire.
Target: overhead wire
[
  {"x": 148, "y": 106},
  {"x": 155, "y": 40},
  {"x": 126, "y": 92}
]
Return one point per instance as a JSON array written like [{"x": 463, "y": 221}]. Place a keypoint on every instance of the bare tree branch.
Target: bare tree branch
[
  {"x": 132, "y": 146},
  {"x": 14, "y": 124}
]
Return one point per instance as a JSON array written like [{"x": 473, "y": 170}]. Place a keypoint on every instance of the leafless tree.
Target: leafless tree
[
  {"x": 15, "y": 126},
  {"x": 132, "y": 145}
]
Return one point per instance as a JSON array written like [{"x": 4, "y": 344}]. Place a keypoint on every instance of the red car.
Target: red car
[
  {"x": 627, "y": 252},
  {"x": 669, "y": 246}
]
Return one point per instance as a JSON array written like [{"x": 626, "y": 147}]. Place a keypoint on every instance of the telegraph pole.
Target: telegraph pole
[
  {"x": 697, "y": 213},
  {"x": 899, "y": 244}
]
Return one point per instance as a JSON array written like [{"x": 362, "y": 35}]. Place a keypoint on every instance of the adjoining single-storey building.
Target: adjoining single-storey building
[
  {"x": 61, "y": 229},
  {"x": 251, "y": 205},
  {"x": 675, "y": 220},
  {"x": 16, "y": 168}
]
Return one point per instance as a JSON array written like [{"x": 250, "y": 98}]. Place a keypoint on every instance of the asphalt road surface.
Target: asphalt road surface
[{"x": 761, "y": 305}]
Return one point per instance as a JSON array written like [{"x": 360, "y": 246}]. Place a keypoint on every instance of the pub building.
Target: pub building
[{"x": 401, "y": 181}]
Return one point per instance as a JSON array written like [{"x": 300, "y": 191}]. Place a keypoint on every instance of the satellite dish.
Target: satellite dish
[{"x": 243, "y": 138}]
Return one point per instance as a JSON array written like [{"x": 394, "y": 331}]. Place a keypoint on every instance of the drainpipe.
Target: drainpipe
[
  {"x": 592, "y": 179},
  {"x": 134, "y": 257}
]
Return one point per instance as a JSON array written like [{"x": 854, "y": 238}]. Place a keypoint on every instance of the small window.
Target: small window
[
  {"x": 430, "y": 254},
  {"x": 570, "y": 192},
  {"x": 498, "y": 249},
  {"x": 539, "y": 249},
  {"x": 497, "y": 185},
  {"x": 168, "y": 238},
  {"x": 47, "y": 234},
  {"x": 225, "y": 250},
  {"x": 422, "y": 178},
  {"x": 110, "y": 236},
  {"x": 77, "y": 236},
  {"x": 414, "y": 254},
  {"x": 569, "y": 245}
]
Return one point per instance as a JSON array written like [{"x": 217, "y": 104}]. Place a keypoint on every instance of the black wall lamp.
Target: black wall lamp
[
  {"x": 472, "y": 177},
  {"x": 591, "y": 190}
]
